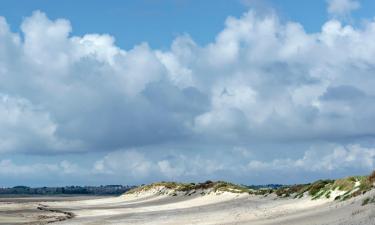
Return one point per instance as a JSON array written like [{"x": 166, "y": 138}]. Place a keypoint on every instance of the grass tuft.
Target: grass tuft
[
  {"x": 316, "y": 190},
  {"x": 186, "y": 187}
]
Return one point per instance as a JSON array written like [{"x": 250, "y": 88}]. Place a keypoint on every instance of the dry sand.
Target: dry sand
[{"x": 213, "y": 208}]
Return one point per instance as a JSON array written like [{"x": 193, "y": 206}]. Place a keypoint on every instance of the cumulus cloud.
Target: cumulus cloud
[
  {"x": 340, "y": 158},
  {"x": 133, "y": 166},
  {"x": 260, "y": 81},
  {"x": 10, "y": 169},
  {"x": 91, "y": 91},
  {"x": 134, "y": 163},
  {"x": 127, "y": 162},
  {"x": 342, "y": 7},
  {"x": 26, "y": 126}
]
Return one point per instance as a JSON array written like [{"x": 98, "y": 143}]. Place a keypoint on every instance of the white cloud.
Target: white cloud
[
  {"x": 260, "y": 80},
  {"x": 342, "y": 7},
  {"x": 124, "y": 163},
  {"x": 10, "y": 169},
  {"x": 25, "y": 126},
  {"x": 170, "y": 171},
  {"x": 340, "y": 158},
  {"x": 135, "y": 166}
]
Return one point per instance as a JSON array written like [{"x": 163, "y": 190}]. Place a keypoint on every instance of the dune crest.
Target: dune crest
[{"x": 344, "y": 201}]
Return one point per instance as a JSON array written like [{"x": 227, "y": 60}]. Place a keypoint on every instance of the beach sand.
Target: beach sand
[{"x": 213, "y": 208}]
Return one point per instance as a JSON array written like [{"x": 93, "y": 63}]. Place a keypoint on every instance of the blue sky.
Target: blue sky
[
  {"x": 130, "y": 92},
  {"x": 158, "y": 22}
]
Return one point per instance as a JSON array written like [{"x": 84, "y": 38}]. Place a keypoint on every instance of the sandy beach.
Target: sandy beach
[{"x": 211, "y": 208}]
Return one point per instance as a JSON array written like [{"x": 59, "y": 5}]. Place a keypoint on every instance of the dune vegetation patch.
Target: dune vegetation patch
[
  {"x": 217, "y": 186},
  {"x": 340, "y": 189},
  {"x": 299, "y": 190},
  {"x": 371, "y": 177}
]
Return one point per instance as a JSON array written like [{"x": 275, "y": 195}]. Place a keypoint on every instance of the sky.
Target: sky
[{"x": 132, "y": 92}]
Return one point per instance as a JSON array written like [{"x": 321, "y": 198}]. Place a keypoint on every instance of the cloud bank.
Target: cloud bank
[
  {"x": 238, "y": 165},
  {"x": 261, "y": 81}
]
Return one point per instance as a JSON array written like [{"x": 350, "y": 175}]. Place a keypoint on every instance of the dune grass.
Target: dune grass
[
  {"x": 350, "y": 186},
  {"x": 218, "y": 186},
  {"x": 371, "y": 177}
]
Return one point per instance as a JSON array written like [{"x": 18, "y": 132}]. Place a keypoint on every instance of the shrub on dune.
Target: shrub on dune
[{"x": 371, "y": 177}]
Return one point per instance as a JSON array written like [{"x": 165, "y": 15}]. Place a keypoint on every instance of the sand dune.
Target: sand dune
[
  {"x": 216, "y": 208},
  {"x": 165, "y": 206}
]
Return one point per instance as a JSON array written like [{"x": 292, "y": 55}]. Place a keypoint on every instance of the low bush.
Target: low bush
[{"x": 371, "y": 177}]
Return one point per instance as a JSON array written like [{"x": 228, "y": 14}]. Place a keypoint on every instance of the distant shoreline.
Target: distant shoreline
[
  {"x": 2, "y": 196},
  {"x": 49, "y": 198},
  {"x": 103, "y": 190}
]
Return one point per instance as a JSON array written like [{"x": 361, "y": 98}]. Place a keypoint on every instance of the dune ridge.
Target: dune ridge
[{"x": 344, "y": 201}]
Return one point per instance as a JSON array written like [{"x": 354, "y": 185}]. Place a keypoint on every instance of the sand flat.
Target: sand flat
[
  {"x": 224, "y": 208},
  {"x": 34, "y": 210}
]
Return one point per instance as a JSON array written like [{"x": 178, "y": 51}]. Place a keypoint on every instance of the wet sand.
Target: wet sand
[{"x": 34, "y": 210}]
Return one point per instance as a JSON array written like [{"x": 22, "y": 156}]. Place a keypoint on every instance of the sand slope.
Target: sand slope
[
  {"x": 158, "y": 206},
  {"x": 217, "y": 208}
]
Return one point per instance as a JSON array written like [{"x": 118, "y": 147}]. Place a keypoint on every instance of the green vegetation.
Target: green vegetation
[
  {"x": 348, "y": 187},
  {"x": 263, "y": 191},
  {"x": 345, "y": 184},
  {"x": 371, "y": 178},
  {"x": 168, "y": 185},
  {"x": 351, "y": 186},
  {"x": 229, "y": 187},
  {"x": 186, "y": 187},
  {"x": 296, "y": 190},
  {"x": 328, "y": 194},
  {"x": 319, "y": 187},
  {"x": 316, "y": 189}
]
